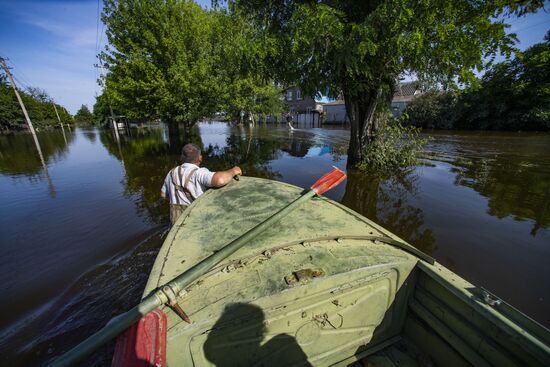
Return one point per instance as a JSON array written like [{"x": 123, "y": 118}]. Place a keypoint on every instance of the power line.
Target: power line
[
  {"x": 97, "y": 28},
  {"x": 532, "y": 26},
  {"x": 102, "y": 29},
  {"x": 101, "y": 35},
  {"x": 24, "y": 85},
  {"x": 22, "y": 76}
]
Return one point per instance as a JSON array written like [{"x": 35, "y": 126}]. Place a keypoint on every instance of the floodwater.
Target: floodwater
[{"x": 79, "y": 236}]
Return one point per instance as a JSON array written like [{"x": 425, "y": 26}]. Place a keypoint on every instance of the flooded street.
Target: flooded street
[{"x": 77, "y": 240}]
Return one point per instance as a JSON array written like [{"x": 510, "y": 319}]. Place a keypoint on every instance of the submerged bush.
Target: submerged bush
[
  {"x": 433, "y": 110},
  {"x": 396, "y": 147}
]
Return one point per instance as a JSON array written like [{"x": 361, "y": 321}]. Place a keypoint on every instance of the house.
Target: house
[
  {"x": 304, "y": 109},
  {"x": 403, "y": 95},
  {"x": 297, "y": 102},
  {"x": 335, "y": 112}
]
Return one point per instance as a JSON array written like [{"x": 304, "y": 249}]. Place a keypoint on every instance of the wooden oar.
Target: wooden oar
[{"x": 166, "y": 294}]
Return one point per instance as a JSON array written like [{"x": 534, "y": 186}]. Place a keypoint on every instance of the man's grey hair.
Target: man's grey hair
[{"x": 190, "y": 153}]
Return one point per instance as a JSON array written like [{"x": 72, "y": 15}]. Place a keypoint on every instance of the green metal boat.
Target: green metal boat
[
  {"x": 325, "y": 286},
  {"x": 314, "y": 284}
]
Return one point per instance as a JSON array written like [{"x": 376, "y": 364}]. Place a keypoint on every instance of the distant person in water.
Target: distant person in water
[
  {"x": 185, "y": 183},
  {"x": 289, "y": 120}
]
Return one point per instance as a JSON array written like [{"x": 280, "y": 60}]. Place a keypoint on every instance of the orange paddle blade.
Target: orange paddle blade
[{"x": 328, "y": 181}]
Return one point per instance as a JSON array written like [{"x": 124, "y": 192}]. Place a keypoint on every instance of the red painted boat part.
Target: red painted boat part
[{"x": 144, "y": 343}]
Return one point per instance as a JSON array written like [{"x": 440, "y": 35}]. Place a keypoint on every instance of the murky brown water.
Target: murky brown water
[{"x": 78, "y": 238}]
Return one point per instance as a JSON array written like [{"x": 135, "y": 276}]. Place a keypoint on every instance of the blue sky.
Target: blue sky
[{"x": 52, "y": 45}]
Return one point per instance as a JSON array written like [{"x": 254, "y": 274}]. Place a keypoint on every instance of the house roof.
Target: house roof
[
  {"x": 405, "y": 92},
  {"x": 334, "y": 103}
]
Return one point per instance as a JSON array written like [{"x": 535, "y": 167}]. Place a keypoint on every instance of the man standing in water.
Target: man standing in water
[{"x": 185, "y": 183}]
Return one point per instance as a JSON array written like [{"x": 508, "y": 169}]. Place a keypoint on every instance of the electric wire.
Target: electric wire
[
  {"x": 21, "y": 75},
  {"x": 97, "y": 28},
  {"x": 532, "y": 26}
]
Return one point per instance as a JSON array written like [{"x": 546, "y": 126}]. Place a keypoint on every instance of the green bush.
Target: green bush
[
  {"x": 513, "y": 95},
  {"x": 396, "y": 147},
  {"x": 433, "y": 110}
]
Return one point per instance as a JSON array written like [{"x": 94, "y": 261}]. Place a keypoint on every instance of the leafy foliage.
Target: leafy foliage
[
  {"x": 84, "y": 115},
  {"x": 397, "y": 148},
  {"x": 38, "y": 105},
  {"x": 159, "y": 59},
  {"x": 176, "y": 61},
  {"x": 433, "y": 110},
  {"x": 359, "y": 49},
  {"x": 513, "y": 95},
  {"x": 101, "y": 110}
]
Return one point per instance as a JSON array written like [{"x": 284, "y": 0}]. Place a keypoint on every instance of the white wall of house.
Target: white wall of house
[
  {"x": 335, "y": 114},
  {"x": 307, "y": 118}
]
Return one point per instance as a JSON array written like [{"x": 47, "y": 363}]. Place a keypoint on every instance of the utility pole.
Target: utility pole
[
  {"x": 60, "y": 123},
  {"x": 29, "y": 123},
  {"x": 57, "y": 114},
  {"x": 31, "y": 128},
  {"x": 113, "y": 120}
]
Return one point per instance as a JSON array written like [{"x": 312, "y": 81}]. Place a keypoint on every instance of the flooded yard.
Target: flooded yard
[{"x": 78, "y": 238}]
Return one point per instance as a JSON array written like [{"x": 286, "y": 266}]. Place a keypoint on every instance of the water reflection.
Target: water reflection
[
  {"x": 514, "y": 188},
  {"x": 148, "y": 156},
  {"x": 512, "y": 172},
  {"x": 385, "y": 199},
  {"x": 245, "y": 147},
  {"x": 472, "y": 207},
  {"x": 17, "y": 152},
  {"x": 299, "y": 144},
  {"x": 91, "y": 135},
  {"x": 16, "y": 158},
  {"x": 146, "y": 159}
]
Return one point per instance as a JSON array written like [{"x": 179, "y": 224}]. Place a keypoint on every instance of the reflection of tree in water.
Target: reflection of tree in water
[
  {"x": 235, "y": 340},
  {"x": 147, "y": 158},
  {"x": 18, "y": 155},
  {"x": 249, "y": 151},
  {"x": 385, "y": 200},
  {"x": 90, "y": 134},
  {"x": 298, "y": 144},
  {"x": 513, "y": 187}
]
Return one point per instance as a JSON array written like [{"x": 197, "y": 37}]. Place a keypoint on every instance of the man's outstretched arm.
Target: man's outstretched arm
[{"x": 222, "y": 178}]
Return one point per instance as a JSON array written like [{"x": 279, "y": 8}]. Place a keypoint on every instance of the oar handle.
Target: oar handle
[{"x": 123, "y": 321}]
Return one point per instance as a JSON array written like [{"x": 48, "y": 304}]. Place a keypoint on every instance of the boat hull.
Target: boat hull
[{"x": 325, "y": 286}]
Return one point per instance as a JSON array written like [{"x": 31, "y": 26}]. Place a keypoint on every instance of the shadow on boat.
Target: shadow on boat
[{"x": 235, "y": 340}]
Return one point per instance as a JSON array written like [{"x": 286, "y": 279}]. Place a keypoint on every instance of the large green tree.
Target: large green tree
[
  {"x": 37, "y": 102},
  {"x": 176, "y": 61},
  {"x": 162, "y": 60},
  {"x": 513, "y": 95},
  {"x": 359, "y": 49},
  {"x": 84, "y": 115},
  {"x": 246, "y": 84}
]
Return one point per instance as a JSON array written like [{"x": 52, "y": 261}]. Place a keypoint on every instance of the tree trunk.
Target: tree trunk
[
  {"x": 361, "y": 110},
  {"x": 174, "y": 139}
]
